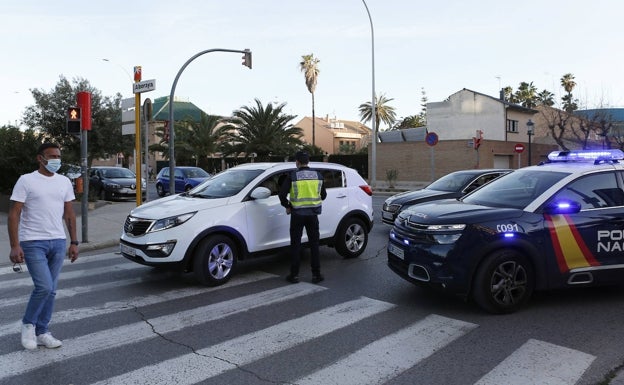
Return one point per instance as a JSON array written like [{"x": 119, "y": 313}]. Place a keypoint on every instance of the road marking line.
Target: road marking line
[
  {"x": 22, "y": 361},
  {"x": 214, "y": 360},
  {"x": 390, "y": 356},
  {"x": 71, "y": 292},
  {"x": 539, "y": 362},
  {"x": 82, "y": 273},
  {"x": 80, "y": 260},
  {"x": 115, "y": 306}
]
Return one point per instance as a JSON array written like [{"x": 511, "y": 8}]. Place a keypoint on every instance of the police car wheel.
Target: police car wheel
[
  {"x": 351, "y": 238},
  {"x": 214, "y": 260},
  {"x": 504, "y": 282}
]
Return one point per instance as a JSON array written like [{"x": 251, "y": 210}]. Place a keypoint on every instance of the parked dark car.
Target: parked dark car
[
  {"x": 453, "y": 185},
  {"x": 114, "y": 183},
  {"x": 186, "y": 178}
]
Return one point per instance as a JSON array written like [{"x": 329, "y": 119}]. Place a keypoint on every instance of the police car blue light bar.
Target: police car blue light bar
[{"x": 585, "y": 155}]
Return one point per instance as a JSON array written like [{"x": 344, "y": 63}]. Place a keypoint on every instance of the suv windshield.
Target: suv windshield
[
  {"x": 515, "y": 190},
  {"x": 226, "y": 183}
]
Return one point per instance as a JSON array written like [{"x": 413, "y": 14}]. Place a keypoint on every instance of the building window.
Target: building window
[{"x": 512, "y": 125}]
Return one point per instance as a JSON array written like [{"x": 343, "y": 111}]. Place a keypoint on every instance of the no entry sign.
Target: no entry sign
[{"x": 519, "y": 147}]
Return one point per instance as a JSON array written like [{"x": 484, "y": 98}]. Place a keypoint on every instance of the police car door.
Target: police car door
[{"x": 592, "y": 240}]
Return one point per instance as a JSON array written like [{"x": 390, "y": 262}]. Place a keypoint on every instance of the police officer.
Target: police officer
[{"x": 307, "y": 193}]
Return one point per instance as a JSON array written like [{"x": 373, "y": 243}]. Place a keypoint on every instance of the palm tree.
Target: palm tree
[
  {"x": 383, "y": 112},
  {"x": 508, "y": 94},
  {"x": 546, "y": 98},
  {"x": 262, "y": 130},
  {"x": 526, "y": 95},
  {"x": 309, "y": 67},
  {"x": 202, "y": 139},
  {"x": 568, "y": 84}
]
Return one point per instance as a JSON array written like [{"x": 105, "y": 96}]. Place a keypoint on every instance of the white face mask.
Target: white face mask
[{"x": 53, "y": 165}]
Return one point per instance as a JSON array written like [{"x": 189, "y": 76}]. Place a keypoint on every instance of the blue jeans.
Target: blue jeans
[{"x": 44, "y": 260}]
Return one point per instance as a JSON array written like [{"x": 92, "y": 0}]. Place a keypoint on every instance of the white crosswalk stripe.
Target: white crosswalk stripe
[
  {"x": 209, "y": 362},
  {"x": 392, "y": 355},
  {"x": 134, "y": 302},
  {"x": 19, "y": 362},
  {"x": 27, "y": 281},
  {"x": 374, "y": 362},
  {"x": 539, "y": 362},
  {"x": 81, "y": 260}
]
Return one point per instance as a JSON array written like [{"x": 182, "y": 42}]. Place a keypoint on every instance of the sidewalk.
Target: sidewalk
[{"x": 104, "y": 224}]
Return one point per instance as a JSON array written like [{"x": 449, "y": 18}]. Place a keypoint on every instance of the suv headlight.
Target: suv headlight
[
  {"x": 451, "y": 233},
  {"x": 393, "y": 208},
  {"x": 167, "y": 223}
]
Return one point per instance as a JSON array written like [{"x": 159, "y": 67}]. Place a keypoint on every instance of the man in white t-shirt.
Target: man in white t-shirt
[{"x": 40, "y": 201}]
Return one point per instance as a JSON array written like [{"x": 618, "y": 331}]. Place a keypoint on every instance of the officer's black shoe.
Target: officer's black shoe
[
  {"x": 317, "y": 278},
  {"x": 292, "y": 278}
]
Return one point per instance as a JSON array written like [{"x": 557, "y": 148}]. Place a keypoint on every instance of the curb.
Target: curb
[{"x": 90, "y": 246}]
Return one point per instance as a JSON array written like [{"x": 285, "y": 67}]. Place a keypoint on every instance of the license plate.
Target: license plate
[
  {"x": 128, "y": 250},
  {"x": 396, "y": 251},
  {"x": 386, "y": 215}
]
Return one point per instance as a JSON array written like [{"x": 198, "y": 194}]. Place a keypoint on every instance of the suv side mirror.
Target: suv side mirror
[{"x": 260, "y": 193}]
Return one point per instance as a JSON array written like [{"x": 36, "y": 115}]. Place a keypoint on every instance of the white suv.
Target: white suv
[{"x": 236, "y": 215}]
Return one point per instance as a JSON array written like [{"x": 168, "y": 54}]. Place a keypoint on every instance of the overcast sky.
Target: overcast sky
[{"x": 439, "y": 46}]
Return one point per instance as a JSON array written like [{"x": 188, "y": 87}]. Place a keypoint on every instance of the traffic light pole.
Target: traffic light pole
[
  {"x": 84, "y": 203},
  {"x": 137, "y": 137},
  {"x": 83, "y": 99},
  {"x": 246, "y": 62}
]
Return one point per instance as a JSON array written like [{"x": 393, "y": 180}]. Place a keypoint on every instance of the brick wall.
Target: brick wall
[{"x": 413, "y": 160}]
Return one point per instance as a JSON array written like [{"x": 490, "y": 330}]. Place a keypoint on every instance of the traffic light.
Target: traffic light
[
  {"x": 74, "y": 121},
  {"x": 247, "y": 58}
]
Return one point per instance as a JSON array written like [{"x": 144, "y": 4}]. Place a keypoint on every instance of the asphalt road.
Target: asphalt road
[{"x": 126, "y": 323}]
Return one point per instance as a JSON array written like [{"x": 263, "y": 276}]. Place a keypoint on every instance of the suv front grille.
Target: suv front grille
[
  {"x": 416, "y": 226},
  {"x": 136, "y": 226}
]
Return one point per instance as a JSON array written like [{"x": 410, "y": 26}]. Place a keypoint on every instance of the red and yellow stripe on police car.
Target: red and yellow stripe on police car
[{"x": 570, "y": 248}]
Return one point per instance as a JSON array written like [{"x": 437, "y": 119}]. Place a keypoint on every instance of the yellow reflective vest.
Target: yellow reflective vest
[{"x": 305, "y": 189}]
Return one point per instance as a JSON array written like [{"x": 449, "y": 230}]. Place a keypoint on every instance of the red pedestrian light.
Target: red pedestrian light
[{"x": 74, "y": 121}]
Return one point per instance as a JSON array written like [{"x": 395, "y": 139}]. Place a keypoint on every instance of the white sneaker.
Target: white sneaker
[
  {"x": 28, "y": 337},
  {"x": 48, "y": 341}
]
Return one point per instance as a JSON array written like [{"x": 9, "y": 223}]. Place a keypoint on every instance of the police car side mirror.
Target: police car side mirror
[
  {"x": 260, "y": 193},
  {"x": 562, "y": 207}
]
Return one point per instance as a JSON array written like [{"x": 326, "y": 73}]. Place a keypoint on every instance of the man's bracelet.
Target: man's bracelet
[{"x": 75, "y": 243}]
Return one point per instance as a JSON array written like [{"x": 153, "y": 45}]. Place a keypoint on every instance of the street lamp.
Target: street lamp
[
  {"x": 373, "y": 107},
  {"x": 246, "y": 62},
  {"x": 118, "y": 65},
  {"x": 530, "y": 133}
]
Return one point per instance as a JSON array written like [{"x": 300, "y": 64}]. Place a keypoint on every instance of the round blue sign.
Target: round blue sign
[{"x": 431, "y": 138}]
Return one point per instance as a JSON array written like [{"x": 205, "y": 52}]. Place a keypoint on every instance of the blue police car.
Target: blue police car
[{"x": 555, "y": 225}]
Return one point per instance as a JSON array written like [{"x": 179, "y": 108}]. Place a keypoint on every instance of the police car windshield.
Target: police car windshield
[
  {"x": 515, "y": 190},
  {"x": 225, "y": 184}
]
